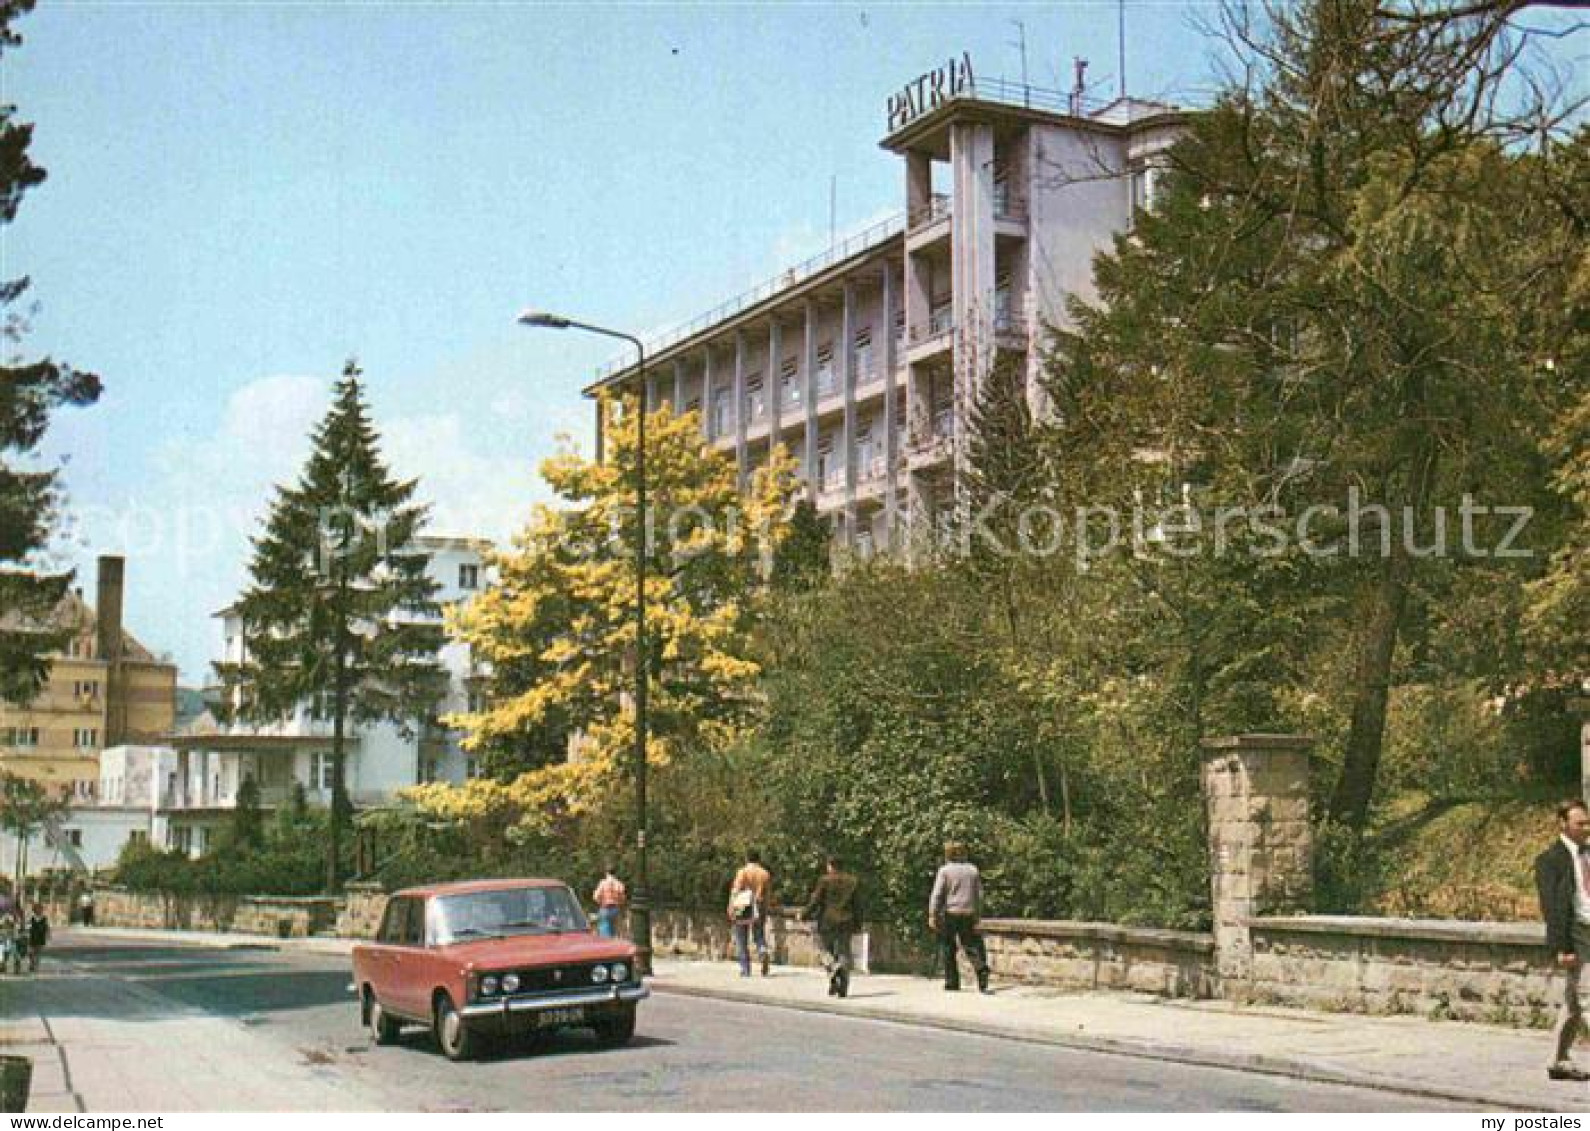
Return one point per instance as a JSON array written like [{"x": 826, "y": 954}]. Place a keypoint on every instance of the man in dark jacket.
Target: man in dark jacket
[
  {"x": 835, "y": 907},
  {"x": 1562, "y": 879},
  {"x": 38, "y": 936}
]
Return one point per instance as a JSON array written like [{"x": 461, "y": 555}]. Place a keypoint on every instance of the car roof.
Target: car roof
[{"x": 468, "y": 887}]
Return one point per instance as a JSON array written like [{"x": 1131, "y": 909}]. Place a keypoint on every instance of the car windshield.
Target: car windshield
[{"x": 507, "y": 911}]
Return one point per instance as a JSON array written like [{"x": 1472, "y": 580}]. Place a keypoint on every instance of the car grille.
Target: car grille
[{"x": 555, "y": 978}]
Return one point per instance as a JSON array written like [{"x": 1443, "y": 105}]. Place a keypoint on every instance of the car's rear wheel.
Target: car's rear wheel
[
  {"x": 384, "y": 1028},
  {"x": 453, "y": 1034},
  {"x": 616, "y": 1028}
]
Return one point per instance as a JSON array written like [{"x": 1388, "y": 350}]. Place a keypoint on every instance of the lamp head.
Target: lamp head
[{"x": 543, "y": 319}]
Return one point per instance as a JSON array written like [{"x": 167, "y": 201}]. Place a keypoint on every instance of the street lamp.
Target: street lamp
[{"x": 639, "y": 907}]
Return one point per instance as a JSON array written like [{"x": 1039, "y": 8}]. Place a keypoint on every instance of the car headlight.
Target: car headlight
[
  {"x": 620, "y": 972},
  {"x": 599, "y": 974},
  {"x": 510, "y": 983},
  {"x": 488, "y": 985}
]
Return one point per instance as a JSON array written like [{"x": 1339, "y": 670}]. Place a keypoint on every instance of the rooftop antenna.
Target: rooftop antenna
[
  {"x": 1120, "y": 40},
  {"x": 1080, "y": 85},
  {"x": 1021, "y": 46}
]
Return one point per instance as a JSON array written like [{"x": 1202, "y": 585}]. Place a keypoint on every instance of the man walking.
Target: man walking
[
  {"x": 835, "y": 908},
  {"x": 953, "y": 911},
  {"x": 750, "y": 896},
  {"x": 1562, "y": 880},
  {"x": 38, "y": 935},
  {"x": 610, "y": 897}
]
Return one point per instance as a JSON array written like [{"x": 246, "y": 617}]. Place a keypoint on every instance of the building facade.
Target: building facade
[
  {"x": 866, "y": 362},
  {"x": 189, "y": 784},
  {"x": 103, "y": 690}
]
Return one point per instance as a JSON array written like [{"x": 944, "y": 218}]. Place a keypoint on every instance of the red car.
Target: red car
[{"x": 493, "y": 958}]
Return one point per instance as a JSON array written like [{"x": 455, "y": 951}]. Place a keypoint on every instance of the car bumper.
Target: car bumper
[{"x": 597, "y": 998}]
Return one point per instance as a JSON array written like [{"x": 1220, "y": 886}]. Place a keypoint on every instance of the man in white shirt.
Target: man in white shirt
[{"x": 1562, "y": 880}]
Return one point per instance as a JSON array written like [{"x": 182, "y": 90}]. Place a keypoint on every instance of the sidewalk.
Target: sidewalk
[
  {"x": 1484, "y": 1065},
  {"x": 92, "y": 1042}
]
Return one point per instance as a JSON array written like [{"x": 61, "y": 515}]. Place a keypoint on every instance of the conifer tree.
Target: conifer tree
[
  {"x": 339, "y": 618},
  {"x": 29, "y": 497}
]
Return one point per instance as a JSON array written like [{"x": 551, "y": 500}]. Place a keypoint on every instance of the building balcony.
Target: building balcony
[
  {"x": 1010, "y": 327},
  {"x": 938, "y": 333},
  {"x": 933, "y": 443},
  {"x": 1010, "y": 208},
  {"x": 935, "y": 211}
]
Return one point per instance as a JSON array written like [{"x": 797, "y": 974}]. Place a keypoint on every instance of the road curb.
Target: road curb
[{"x": 1258, "y": 1064}]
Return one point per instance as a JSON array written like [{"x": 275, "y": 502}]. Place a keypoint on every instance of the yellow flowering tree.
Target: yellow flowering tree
[{"x": 555, "y": 631}]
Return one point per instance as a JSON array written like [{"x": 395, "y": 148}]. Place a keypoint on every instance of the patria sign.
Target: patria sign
[{"x": 928, "y": 91}]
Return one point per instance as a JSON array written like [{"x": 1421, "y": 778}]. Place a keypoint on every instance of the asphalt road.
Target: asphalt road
[{"x": 689, "y": 1054}]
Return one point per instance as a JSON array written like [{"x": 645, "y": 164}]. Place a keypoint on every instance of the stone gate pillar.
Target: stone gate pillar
[
  {"x": 1260, "y": 845},
  {"x": 1581, "y": 707}
]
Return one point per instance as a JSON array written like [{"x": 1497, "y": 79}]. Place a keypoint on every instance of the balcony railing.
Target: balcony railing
[
  {"x": 937, "y": 208},
  {"x": 941, "y": 321},
  {"x": 1009, "y": 205},
  {"x": 862, "y": 241},
  {"x": 1010, "y": 320},
  {"x": 940, "y": 431}
]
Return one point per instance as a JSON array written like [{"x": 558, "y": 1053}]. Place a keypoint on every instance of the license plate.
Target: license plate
[{"x": 549, "y": 1018}]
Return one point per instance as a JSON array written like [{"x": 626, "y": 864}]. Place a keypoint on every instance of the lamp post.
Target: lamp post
[{"x": 640, "y": 906}]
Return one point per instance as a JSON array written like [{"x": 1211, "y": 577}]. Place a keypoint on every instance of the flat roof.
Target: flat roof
[{"x": 258, "y": 742}]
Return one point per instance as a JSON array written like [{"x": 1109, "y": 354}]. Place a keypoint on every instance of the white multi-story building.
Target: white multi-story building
[
  {"x": 179, "y": 794},
  {"x": 865, "y": 362}
]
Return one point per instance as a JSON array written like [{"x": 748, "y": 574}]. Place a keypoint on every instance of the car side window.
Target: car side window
[
  {"x": 414, "y": 924},
  {"x": 388, "y": 932},
  {"x": 402, "y": 925}
]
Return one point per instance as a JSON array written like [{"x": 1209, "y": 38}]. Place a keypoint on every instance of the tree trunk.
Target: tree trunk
[
  {"x": 1372, "y": 687},
  {"x": 339, "y": 788}
]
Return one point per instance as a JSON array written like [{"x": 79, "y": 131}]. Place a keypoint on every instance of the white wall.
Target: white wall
[{"x": 103, "y": 830}]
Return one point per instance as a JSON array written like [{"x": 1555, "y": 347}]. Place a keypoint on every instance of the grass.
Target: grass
[{"x": 1443, "y": 859}]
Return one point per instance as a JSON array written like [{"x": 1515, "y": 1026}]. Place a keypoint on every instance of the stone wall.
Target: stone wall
[
  {"x": 361, "y": 912},
  {"x": 1495, "y": 972},
  {"x": 1101, "y": 956},
  {"x": 705, "y": 936},
  {"x": 280, "y": 916}
]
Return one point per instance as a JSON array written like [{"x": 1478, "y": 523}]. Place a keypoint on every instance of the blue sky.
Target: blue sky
[{"x": 242, "y": 196}]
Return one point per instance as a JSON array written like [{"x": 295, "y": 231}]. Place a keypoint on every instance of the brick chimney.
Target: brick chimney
[{"x": 107, "y": 625}]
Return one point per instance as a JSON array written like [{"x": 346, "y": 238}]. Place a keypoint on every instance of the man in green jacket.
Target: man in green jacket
[{"x": 835, "y": 907}]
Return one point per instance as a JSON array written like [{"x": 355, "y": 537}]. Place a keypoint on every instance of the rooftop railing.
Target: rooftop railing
[{"x": 862, "y": 241}]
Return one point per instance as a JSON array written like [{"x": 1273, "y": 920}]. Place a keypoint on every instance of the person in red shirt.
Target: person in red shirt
[{"x": 609, "y": 898}]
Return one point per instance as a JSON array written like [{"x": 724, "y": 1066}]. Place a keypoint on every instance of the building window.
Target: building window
[
  {"x": 720, "y": 412},
  {"x": 827, "y": 382},
  {"x": 755, "y": 401},
  {"x": 469, "y": 576},
  {"x": 85, "y": 738},
  {"x": 86, "y": 688},
  {"x": 864, "y": 359},
  {"x": 74, "y": 837},
  {"x": 1145, "y": 186},
  {"x": 830, "y": 468},
  {"x": 138, "y": 836},
  {"x": 320, "y": 771},
  {"x": 24, "y": 737},
  {"x": 427, "y": 770},
  {"x": 789, "y": 386}
]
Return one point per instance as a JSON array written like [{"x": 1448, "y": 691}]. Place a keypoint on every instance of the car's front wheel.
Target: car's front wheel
[
  {"x": 384, "y": 1028},
  {"x": 617, "y": 1027},
  {"x": 453, "y": 1034}
]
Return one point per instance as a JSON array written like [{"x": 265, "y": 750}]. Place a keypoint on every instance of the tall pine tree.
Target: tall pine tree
[
  {"x": 28, "y": 392},
  {"x": 340, "y": 618}
]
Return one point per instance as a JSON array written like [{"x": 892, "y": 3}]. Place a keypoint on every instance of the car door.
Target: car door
[{"x": 410, "y": 990}]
